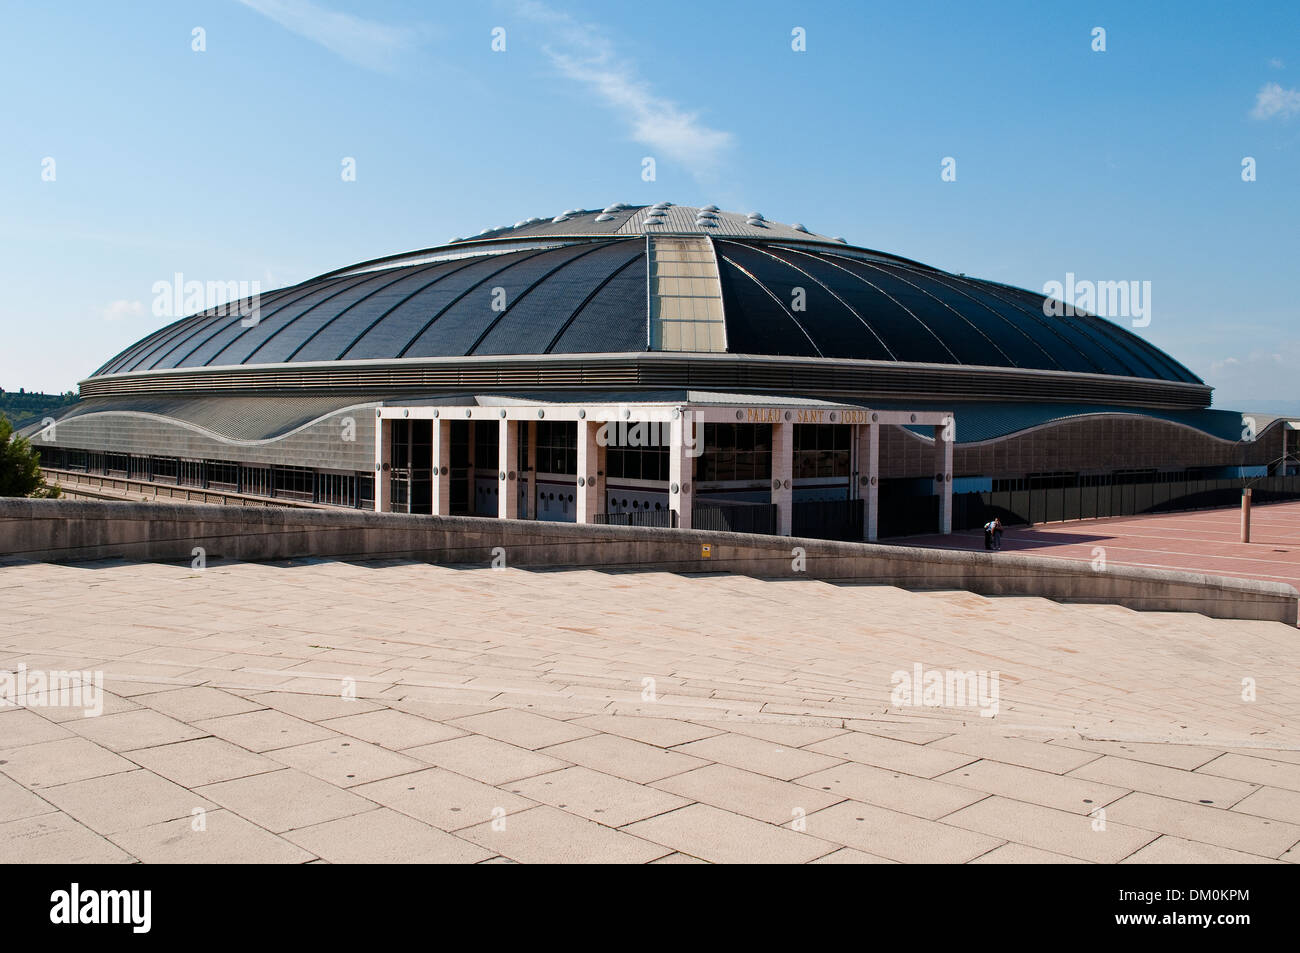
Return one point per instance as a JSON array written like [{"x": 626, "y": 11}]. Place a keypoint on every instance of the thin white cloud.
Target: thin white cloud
[
  {"x": 1277, "y": 63},
  {"x": 117, "y": 310},
  {"x": 1275, "y": 100},
  {"x": 1264, "y": 374},
  {"x": 582, "y": 53},
  {"x": 364, "y": 42}
]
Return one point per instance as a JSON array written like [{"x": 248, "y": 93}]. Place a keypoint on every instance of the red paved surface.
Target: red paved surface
[{"x": 1200, "y": 541}]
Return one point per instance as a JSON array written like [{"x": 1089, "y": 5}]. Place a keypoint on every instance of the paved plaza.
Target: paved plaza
[
  {"x": 582, "y": 716},
  {"x": 1206, "y": 541}
]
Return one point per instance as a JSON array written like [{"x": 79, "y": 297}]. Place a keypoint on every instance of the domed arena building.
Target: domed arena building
[{"x": 659, "y": 365}]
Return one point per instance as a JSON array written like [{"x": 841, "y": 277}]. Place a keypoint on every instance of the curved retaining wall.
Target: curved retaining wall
[{"x": 68, "y": 530}]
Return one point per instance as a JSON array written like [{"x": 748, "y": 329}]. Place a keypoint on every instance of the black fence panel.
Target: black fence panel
[
  {"x": 1001, "y": 503},
  {"x": 828, "y": 519},
  {"x": 1088, "y": 502},
  {"x": 1276, "y": 488},
  {"x": 662, "y": 518},
  {"x": 1018, "y": 510},
  {"x": 1127, "y": 498},
  {"x": 908, "y": 516},
  {"x": 1071, "y": 502},
  {"x": 972, "y": 510},
  {"x": 919, "y": 515},
  {"x": 735, "y": 517}
]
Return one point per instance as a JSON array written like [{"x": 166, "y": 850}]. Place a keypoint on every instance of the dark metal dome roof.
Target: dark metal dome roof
[{"x": 582, "y": 285}]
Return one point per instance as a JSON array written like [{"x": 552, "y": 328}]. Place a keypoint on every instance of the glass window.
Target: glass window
[
  {"x": 256, "y": 481},
  {"x": 190, "y": 473},
  {"x": 637, "y": 452},
  {"x": 736, "y": 452},
  {"x": 557, "y": 447},
  {"x": 221, "y": 475},
  {"x": 821, "y": 450},
  {"x": 165, "y": 469},
  {"x": 117, "y": 464},
  {"x": 338, "y": 489},
  {"x": 293, "y": 483},
  {"x": 487, "y": 441}
]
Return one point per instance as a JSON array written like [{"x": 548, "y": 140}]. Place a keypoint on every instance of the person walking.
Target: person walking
[
  {"x": 997, "y": 532},
  {"x": 988, "y": 533}
]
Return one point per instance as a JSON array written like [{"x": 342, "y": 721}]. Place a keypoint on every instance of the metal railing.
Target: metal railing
[
  {"x": 735, "y": 517},
  {"x": 828, "y": 519},
  {"x": 118, "y": 488},
  {"x": 664, "y": 518}
]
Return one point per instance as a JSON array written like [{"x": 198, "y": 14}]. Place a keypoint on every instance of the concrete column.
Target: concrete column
[
  {"x": 532, "y": 469},
  {"x": 508, "y": 470},
  {"x": 383, "y": 463},
  {"x": 873, "y": 481},
  {"x": 591, "y": 472},
  {"x": 945, "y": 436},
  {"x": 441, "y": 454},
  {"x": 681, "y": 467},
  {"x": 868, "y": 470},
  {"x": 783, "y": 477}
]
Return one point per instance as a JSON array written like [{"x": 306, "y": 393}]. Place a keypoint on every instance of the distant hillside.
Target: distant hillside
[{"x": 22, "y": 407}]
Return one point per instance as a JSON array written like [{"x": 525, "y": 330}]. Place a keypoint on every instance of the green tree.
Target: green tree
[{"x": 20, "y": 467}]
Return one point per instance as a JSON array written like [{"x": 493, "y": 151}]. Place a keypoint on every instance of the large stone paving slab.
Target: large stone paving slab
[{"x": 407, "y": 713}]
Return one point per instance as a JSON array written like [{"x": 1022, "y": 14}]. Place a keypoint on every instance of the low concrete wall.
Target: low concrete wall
[{"x": 69, "y": 530}]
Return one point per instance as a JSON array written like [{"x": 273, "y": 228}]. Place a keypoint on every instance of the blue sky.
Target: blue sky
[{"x": 225, "y": 164}]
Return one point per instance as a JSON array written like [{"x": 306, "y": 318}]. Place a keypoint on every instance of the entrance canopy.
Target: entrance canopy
[{"x": 437, "y": 446}]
